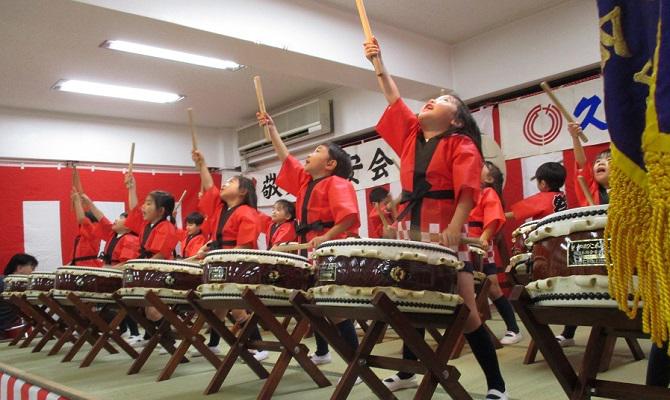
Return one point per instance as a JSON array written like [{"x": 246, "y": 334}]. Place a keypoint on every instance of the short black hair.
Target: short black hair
[
  {"x": 343, "y": 168},
  {"x": 553, "y": 173},
  {"x": 604, "y": 154},
  {"x": 20, "y": 259},
  {"x": 195, "y": 218},
  {"x": 497, "y": 176},
  {"x": 124, "y": 215},
  {"x": 288, "y": 206},
  {"x": 378, "y": 194}
]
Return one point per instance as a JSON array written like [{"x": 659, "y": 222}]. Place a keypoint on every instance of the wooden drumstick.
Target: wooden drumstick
[
  {"x": 285, "y": 248},
  {"x": 585, "y": 190},
  {"x": 261, "y": 103},
  {"x": 192, "y": 258},
  {"x": 545, "y": 86},
  {"x": 385, "y": 222},
  {"x": 132, "y": 158},
  {"x": 194, "y": 138},
  {"x": 368, "y": 34},
  {"x": 181, "y": 199}
]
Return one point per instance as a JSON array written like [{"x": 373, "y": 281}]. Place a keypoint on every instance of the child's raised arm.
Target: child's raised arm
[
  {"x": 76, "y": 204},
  {"x": 580, "y": 157},
  {"x": 264, "y": 119},
  {"x": 201, "y": 166},
  {"x": 129, "y": 181},
  {"x": 386, "y": 82},
  {"x": 88, "y": 203}
]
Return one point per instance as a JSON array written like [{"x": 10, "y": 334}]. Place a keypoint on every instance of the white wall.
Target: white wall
[
  {"x": 552, "y": 43},
  {"x": 30, "y": 134}
]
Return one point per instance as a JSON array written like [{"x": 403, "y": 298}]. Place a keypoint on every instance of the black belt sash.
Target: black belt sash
[
  {"x": 476, "y": 224},
  {"x": 219, "y": 243}
]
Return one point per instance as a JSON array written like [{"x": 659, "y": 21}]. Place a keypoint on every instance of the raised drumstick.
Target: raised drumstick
[
  {"x": 559, "y": 105},
  {"x": 132, "y": 158},
  {"x": 368, "y": 33},
  {"x": 194, "y": 138},
  {"x": 76, "y": 181},
  {"x": 290, "y": 247},
  {"x": 261, "y": 103},
  {"x": 585, "y": 190},
  {"x": 181, "y": 199}
]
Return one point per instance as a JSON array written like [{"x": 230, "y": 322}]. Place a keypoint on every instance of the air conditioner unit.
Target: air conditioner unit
[{"x": 296, "y": 125}]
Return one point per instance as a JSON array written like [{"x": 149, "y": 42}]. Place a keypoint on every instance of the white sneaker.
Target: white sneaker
[
  {"x": 261, "y": 355},
  {"x": 565, "y": 342},
  {"x": 162, "y": 350},
  {"x": 358, "y": 380},
  {"x": 394, "y": 382},
  {"x": 494, "y": 394},
  {"x": 320, "y": 360},
  {"x": 140, "y": 342},
  {"x": 195, "y": 353},
  {"x": 133, "y": 339},
  {"x": 511, "y": 338}
]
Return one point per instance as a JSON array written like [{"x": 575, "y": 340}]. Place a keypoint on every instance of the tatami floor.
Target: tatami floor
[{"x": 106, "y": 378}]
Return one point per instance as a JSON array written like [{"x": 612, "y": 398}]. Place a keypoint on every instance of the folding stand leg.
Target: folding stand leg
[
  {"x": 446, "y": 375},
  {"x": 108, "y": 331},
  {"x": 292, "y": 348},
  {"x": 598, "y": 340},
  {"x": 190, "y": 336},
  {"x": 329, "y": 332},
  {"x": 40, "y": 319},
  {"x": 531, "y": 353}
]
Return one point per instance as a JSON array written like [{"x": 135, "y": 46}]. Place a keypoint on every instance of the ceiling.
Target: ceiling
[
  {"x": 47, "y": 40},
  {"x": 450, "y": 21}
]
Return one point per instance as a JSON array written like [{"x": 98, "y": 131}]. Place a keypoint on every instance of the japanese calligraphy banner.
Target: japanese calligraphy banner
[
  {"x": 533, "y": 125},
  {"x": 373, "y": 162}
]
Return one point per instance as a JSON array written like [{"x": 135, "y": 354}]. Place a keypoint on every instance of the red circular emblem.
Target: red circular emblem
[{"x": 542, "y": 138}]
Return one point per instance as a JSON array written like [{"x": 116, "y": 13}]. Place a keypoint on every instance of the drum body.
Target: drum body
[
  {"x": 568, "y": 259},
  {"x": 271, "y": 275},
  {"x": 38, "y": 283},
  {"x": 519, "y": 237},
  {"x": 419, "y": 277},
  {"x": 170, "y": 280},
  {"x": 15, "y": 284},
  {"x": 89, "y": 284}
]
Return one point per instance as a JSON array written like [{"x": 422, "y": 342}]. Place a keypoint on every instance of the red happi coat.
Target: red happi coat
[
  {"x": 86, "y": 246},
  {"x": 320, "y": 203},
  {"x": 157, "y": 238},
  {"x": 375, "y": 224},
  {"x": 229, "y": 227},
  {"x": 277, "y": 233},
  {"x": 118, "y": 249},
  {"x": 190, "y": 244},
  {"x": 539, "y": 205},
  {"x": 436, "y": 180},
  {"x": 487, "y": 211}
]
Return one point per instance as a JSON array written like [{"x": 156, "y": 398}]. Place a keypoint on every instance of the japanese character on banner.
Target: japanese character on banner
[
  {"x": 355, "y": 166},
  {"x": 379, "y": 164},
  {"x": 270, "y": 188},
  {"x": 590, "y": 105}
]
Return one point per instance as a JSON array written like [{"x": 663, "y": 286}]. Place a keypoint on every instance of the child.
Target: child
[
  {"x": 192, "y": 238},
  {"x": 121, "y": 244},
  {"x": 597, "y": 177},
  {"x": 280, "y": 226},
  {"x": 158, "y": 236},
  {"x": 326, "y": 203},
  {"x": 232, "y": 223},
  {"x": 381, "y": 200},
  {"x": 550, "y": 178},
  {"x": 22, "y": 264},
  {"x": 86, "y": 244},
  {"x": 440, "y": 169},
  {"x": 486, "y": 219}
]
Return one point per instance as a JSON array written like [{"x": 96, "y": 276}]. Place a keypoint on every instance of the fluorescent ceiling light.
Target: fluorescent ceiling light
[
  {"x": 121, "y": 92},
  {"x": 168, "y": 54}
]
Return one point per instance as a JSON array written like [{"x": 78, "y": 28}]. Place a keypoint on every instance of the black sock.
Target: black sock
[
  {"x": 569, "y": 331},
  {"x": 321, "y": 345},
  {"x": 507, "y": 313},
  {"x": 214, "y": 339},
  {"x": 408, "y": 355},
  {"x": 482, "y": 347},
  {"x": 658, "y": 367},
  {"x": 255, "y": 333},
  {"x": 348, "y": 332}
]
